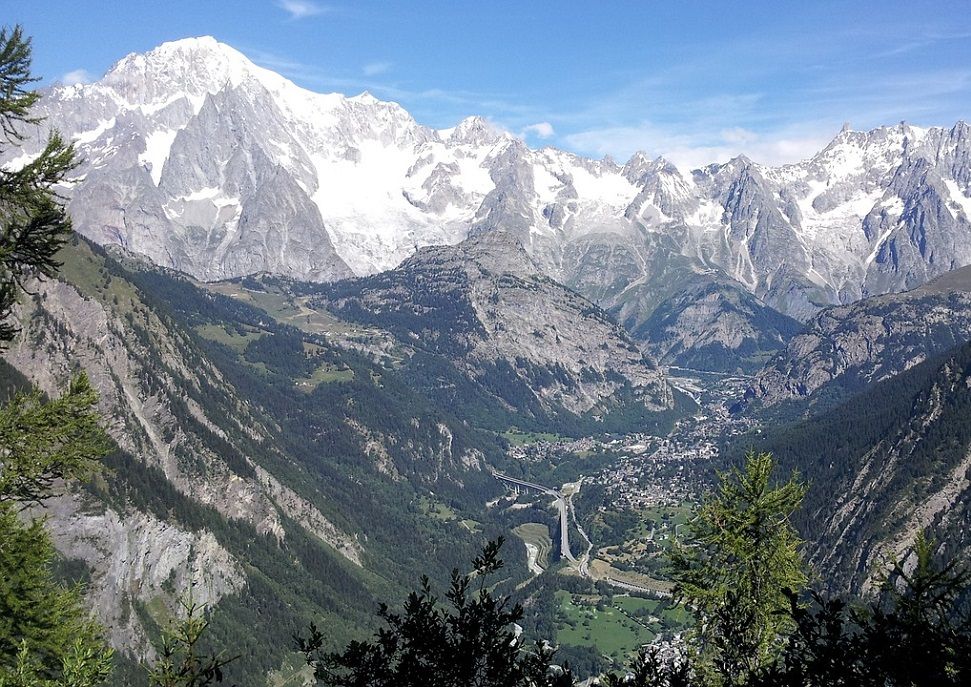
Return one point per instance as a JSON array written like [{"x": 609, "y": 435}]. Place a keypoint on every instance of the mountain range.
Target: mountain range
[
  {"x": 209, "y": 164},
  {"x": 844, "y": 349}
]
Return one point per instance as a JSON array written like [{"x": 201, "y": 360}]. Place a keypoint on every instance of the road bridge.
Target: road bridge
[
  {"x": 565, "y": 506},
  {"x": 560, "y": 504}
]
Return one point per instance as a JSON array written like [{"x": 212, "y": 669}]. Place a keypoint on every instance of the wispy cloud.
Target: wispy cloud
[
  {"x": 375, "y": 68},
  {"x": 463, "y": 102},
  {"x": 542, "y": 130},
  {"x": 922, "y": 40},
  {"x": 301, "y": 9},
  {"x": 75, "y": 77}
]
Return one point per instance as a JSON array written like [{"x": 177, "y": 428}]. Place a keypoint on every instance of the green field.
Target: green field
[
  {"x": 605, "y": 627},
  {"x": 616, "y": 626},
  {"x": 518, "y": 438},
  {"x": 436, "y": 509},
  {"x": 284, "y": 307},
  {"x": 641, "y": 543},
  {"x": 85, "y": 270},
  {"x": 326, "y": 373},
  {"x": 672, "y": 515},
  {"x": 235, "y": 339}
]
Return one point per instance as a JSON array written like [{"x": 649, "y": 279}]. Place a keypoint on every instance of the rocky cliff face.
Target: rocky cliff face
[
  {"x": 173, "y": 412},
  {"x": 842, "y": 349},
  {"x": 209, "y": 164},
  {"x": 136, "y": 559},
  {"x": 487, "y": 306},
  {"x": 884, "y": 466}
]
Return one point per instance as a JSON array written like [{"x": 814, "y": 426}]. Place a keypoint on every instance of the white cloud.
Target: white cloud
[
  {"x": 539, "y": 129},
  {"x": 301, "y": 9},
  {"x": 694, "y": 150},
  {"x": 738, "y": 135},
  {"x": 375, "y": 68},
  {"x": 75, "y": 77}
]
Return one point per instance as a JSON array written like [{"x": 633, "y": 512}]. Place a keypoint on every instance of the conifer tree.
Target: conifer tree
[
  {"x": 742, "y": 558},
  {"x": 471, "y": 640},
  {"x": 33, "y": 222},
  {"x": 181, "y": 660},
  {"x": 46, "y": 636}
]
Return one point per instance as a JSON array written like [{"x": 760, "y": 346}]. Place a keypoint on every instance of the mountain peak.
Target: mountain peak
[
  {"x": 183, "y": 50},
  {"x": 641, "y": 167},
  {"x": 194, "y": 43},
  {"x": 194, "y": 67},
  {"x": 475, "y": 130}
]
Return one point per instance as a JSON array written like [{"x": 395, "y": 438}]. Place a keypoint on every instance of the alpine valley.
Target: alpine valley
[{"x": 319, "y": 331}]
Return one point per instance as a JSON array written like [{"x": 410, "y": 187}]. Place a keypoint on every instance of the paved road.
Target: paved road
[
  {"x": 565, "y": 506},
  {"x": 560, "y": 504},
  {"x": 583, "y": 565}
]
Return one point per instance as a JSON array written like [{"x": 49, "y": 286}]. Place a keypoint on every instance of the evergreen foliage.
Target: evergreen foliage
[
  {"x": 471, "y": 641},
  {"x": 742, "y": 557},
  {"x": 46, "y": 442},
  {"x": 46, "y": 635},
  {"x": 916, "y": 634},
  {"x": 650, "y": 669},
  {"x": 181, "y": 660},
  {"x": 33, "y": 224},
  {"x": 912, "y": 429}
]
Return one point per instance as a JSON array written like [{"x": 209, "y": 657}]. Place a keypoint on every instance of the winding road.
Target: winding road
[
  {"x": 565, "y": 505},
  {"x": 560, "y": 504}
]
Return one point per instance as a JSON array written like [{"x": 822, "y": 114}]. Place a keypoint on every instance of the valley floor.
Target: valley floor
[{"x": 628, "y": 496}]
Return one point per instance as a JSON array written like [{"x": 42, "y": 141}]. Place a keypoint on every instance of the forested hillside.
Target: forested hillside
[
  {"x": 286, "y": 474},
  {"x": 881, "y": 467}
]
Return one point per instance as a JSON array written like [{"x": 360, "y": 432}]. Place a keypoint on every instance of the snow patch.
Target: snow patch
[
  {"x": 18, "y": 163},
  {"x": 879, "y": 244},
  {"x": 958, "y": 198},
  {"x": 94, "y": 134},
  {"x": 609, "y": 189},
  {"x": 202, "y": 194},
  {"x": 545, "y": 184},
  {"x": 157, "y": 147},
  {"x": 150, "y": 109}
]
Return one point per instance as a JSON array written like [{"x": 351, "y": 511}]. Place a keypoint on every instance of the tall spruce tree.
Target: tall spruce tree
[
  {"x": 33, "y": 222},
  {"x": 742, "y": 558},
  {"x": 46, "y": 636}
]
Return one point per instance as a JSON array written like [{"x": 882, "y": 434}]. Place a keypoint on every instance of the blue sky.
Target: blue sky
[{"x": 695, "y": 81}]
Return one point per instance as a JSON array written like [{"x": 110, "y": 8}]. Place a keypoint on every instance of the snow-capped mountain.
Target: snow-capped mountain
[{"x": 205, "y": 162}]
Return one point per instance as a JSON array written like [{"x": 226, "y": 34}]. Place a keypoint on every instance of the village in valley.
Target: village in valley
[{"x": 629, "y": 496}]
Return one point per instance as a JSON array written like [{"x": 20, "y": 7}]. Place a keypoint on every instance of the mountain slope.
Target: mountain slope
[
  {"x": 715, "y": 325},
  {"x": 884, "y": 465},
  {"x": 843, "y": 349},
  {"x": 486, "y": 306},
  {"x": 275, "y": 471}
]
